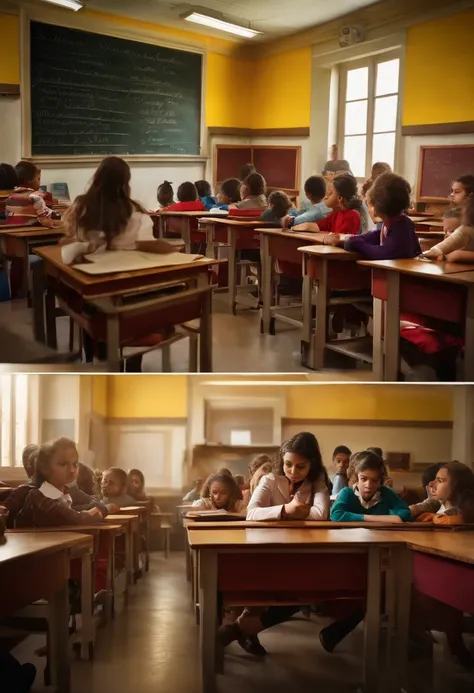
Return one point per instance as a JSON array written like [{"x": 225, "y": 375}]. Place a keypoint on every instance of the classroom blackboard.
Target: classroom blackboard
[
  {"x": 94, "y": 94},
  {"x": 439, "y": 167}
]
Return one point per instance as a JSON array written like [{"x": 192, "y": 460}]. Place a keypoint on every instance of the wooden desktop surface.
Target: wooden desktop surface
[
  {"x": 31, "y": 231},
  {"x": 330, "y": 252},
  {"x": 300, "y": 235},
  {"x": 109, "y": 284},
  {"x": 37, "y": 543},
  {"x": 194, "y": 525},
  {"x": 420, "y": 268},
  {"x": 100, "y": 527}
]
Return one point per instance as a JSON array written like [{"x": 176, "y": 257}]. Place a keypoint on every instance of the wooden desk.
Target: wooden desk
[
  {"x": 185, "y": 218},
  {"x": 237, "y": 234},
  {"x": 131, "y": 524},
  {"x": 429, "y": 224},
  {"x": 352, "y": 558},
  {"x": 36, "y": 566},
  {"x": 442, "y": 290},
  {"x": 329, "y": 269},
  {"x": 277, "y": 244},
  {"x": 127, "y": 294}
]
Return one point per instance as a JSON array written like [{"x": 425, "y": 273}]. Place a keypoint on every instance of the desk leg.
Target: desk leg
[
  {"x": 205, "y": 334},
  {"x": 209, "y": 619},
  {"x": 129, "y": 555},
  {"x": 113, "y": 344},
  {"x": 87, "y": 621},
  {"x": 26, "y": 269},
  {"x": 266, "y": 289},
  {"x": 402, "y": 562},
  {"x": 37, "y": 301},
  {"x": 109, "y": 581},
  {"x": 232, "y": 272},
  {"x": 377, "y": 341},
  {"x": 59, "y": 640},
  {"x": 188, "y": 558},
  {"x": 210, "y": 247},
  {"x": 307, "y": 298},
  {"x": 372, "y": 622},
  {"x": 392, "y": 328},
  {"x": 186, "y": 233},
  {"x": 319, "y": 335},
  {"x": 469, "y": 338},
  {"x": 50, "y": 308},
  {"x": 160, "y": 226}
]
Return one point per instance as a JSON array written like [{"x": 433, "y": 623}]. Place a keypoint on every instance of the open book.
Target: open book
[
  {"x": 212, "y": 515},
  {"x": 131, "y": 260}
]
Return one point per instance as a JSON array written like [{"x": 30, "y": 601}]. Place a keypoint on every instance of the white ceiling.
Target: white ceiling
[{"x": 273, "y": 17}]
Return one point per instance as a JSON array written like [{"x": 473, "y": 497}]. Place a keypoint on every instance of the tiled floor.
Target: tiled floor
[
  {"x": 153, "y": 648},
  {"x": 238, "y": 345}
]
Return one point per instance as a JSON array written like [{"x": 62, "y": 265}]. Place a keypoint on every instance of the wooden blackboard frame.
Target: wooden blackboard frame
[
  {"x": 423, "y": 149},
  {"x": 101, "y": 27}
]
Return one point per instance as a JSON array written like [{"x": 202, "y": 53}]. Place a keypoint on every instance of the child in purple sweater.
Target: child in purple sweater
[{"x": 387, "y": 199}]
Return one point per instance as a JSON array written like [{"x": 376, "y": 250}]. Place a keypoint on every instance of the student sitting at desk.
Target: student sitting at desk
[
  {"x": 279, "y": 206},
  {"x": 430, "y": 504},
  {"x": 114, "y": 487},
  {"x": 387, "y": 199},
  {"x": 453, "y": 491},
  {"x": 258, "y": 467},
  {"x": 346, "y": 206},
  {"x": 195, "y": 493},
  {"x": 27, "y": 205},
  {"x": 315, "y": 191},
  {"x": 204, "y": 191},
  {"x": 459, "y": 246},
  {"x": 253, "y": 193},
  {"x": 49, "y": 503},
  {"x": 229, "y": 194},
  {"x": 188, "y": 200},
  {"x": 340, "y": 459},
  {"x": 136, "y": 485},
  {"x": 165, "y": 194},
  {"x": 221, "y": 492},
  {"x": 299, "y": 490},
  {"x": 451, "y": 221}
]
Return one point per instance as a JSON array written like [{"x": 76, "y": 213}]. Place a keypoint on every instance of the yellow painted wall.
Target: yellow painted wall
[
  {"x": 9, "y": 49},
  {"x": 147, "y": 396},
  {"x": 377, "y": 402},
  {"x": 228, "y": 98},
  {"x": 100, "y": 394},
  {"x": 439, "y": 77},
  {"x": 282, "y": 90}
]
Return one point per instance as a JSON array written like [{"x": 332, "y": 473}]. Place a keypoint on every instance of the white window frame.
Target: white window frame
[
  {"x": 371, "y": 62},
  {"x": 8, "y": 436}
]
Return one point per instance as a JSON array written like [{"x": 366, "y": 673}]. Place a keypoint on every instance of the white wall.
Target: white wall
[{"x": 145, "y": 177}]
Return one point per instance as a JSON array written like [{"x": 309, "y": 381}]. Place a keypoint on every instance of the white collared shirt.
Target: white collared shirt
[
  {"x": 370, "y": 503},
  {"x": 54, "y": 493}
]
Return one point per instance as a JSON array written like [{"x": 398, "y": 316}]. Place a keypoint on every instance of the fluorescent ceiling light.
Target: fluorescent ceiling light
[
  {"x": 214, "y": 23},
  {"x": 70, "y": 4}
]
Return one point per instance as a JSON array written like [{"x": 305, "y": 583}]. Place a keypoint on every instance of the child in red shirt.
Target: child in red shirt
[
  {"x": 188, "y": 200},
  {"x": 346, "y": 204}
]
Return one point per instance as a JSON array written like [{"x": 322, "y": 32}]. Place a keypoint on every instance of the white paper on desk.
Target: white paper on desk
[{"x": 130, "y": 260}]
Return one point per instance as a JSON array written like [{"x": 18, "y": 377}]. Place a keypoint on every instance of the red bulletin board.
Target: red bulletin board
[{"x": 280, "y": 166}]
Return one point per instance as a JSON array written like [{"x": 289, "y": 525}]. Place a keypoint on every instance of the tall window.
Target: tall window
[
  {"x": 13, "y": 418},
  {"x": 369, "y": 112}
]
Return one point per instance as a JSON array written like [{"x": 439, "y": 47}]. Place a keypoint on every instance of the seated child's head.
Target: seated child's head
[
  {"x": 198, "y": 484},
  {"x": 230, "y": 191},
  {"x": 245, "y": 171},
  {"x": 187, "y": 192},
  {"x": 136, "y": 483},
  {"x": 28, "y": 174},
  {"x": 57, "y": 463},
  {"x": 114, "y": 482},
  {"x": 165, "y": 194},
  {"x": 370, "y": 471},
  {"x": 240, "y": 481},
  {"x": 342, "y": 193},
  {"x": 253, "y": 186},
  {"x": 379, "y": 168},
  {"x": 389, "y": 196},
  {"x": 8, "y": 177},
  {"x": 315, "y": 189},
  {"x": 452, "y": 220},
  {"x": 462, "y": 191},
  {"x": 428, "y": 477},
  {"x": 340, "y": 458},
  {"x": 265, "y": 468},
  {"x": 300, "y": 458},
  {"x": 378, "y": 451},
  {"x": 28, "y": 459},
  {"x": 223, "y": 491},
  {"x": 85, "y": 479},
  {"x": 203, "y": 188},
  {"x": 257, "y": 462},
  {"x": 454, "y": 485},
  {"x": 280, "y": 203},
  {"x": 224, "y": 470}
]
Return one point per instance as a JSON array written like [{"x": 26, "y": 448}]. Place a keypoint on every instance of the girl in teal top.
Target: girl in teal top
[{"x": 369, "y": 500}]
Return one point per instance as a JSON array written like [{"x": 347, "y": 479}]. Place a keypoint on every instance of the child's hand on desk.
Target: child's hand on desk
[
  {"x": 333, "y": 239},
  {"x": 285, "y": 222},
  {"x": 112, "y": 508},
  {"x": 93, "y": 512},
  {"x": 302, "y": 227},
  {"x": 296, "y": 510},
  {"x": 431, "y": 254}
]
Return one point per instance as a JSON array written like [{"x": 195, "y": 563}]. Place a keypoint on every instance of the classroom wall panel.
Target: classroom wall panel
[
  {"x": 425, "y": 445},
  {"x": 9, "y": 49},
  {"x": 439, "y": 77},
  {"x": 136, "y": 396},
  {"x": 100, "y": 394},
  {"x": 229, "y": 94}
]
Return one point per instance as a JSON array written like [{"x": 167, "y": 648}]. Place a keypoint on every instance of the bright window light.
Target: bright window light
[
  {"x": 214, "y": 23},
  {"x": 240, "y": 438},
  {"x": 70, "y": 4}
]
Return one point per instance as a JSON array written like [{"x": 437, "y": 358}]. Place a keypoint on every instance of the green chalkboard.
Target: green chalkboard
[{"x": 95, "y": 94}]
